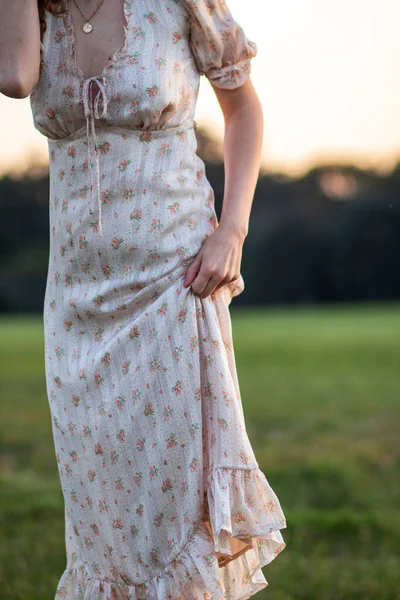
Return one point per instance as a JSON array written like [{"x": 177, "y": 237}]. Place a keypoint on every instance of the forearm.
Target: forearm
[
  {"x": 242, "y": 157},
  {"x": 19, "y": 46}
]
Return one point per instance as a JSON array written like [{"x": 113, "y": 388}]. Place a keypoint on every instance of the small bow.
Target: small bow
[{"x": 92, "y": 113}]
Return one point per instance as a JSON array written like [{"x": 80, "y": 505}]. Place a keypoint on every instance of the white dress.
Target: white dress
[{"x": 164, "y": 498}]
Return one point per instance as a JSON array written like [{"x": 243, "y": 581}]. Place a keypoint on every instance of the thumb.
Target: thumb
[{"x": 193, "y": 270}]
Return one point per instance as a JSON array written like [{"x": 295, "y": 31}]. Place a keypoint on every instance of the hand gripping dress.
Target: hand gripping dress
[{"x": 164, "y": 498}]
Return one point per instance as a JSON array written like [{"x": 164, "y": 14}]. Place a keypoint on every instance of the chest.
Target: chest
[{"x": 145, "y": 66}]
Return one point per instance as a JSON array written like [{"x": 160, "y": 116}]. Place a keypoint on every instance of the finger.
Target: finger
[
  {"x": 211, "y": 285},
  {"x": 193, "y": 270},
  {"x": 201, "y": 281}
]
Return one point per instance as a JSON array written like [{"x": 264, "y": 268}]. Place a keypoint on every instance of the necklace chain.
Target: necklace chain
[{"x": 88, "y": 27}]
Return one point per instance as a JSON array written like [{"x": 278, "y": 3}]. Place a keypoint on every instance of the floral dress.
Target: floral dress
[{"x": 164, "y": 498}]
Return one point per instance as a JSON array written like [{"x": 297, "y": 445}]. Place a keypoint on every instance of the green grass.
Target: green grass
[{"x": 321, "y": 395}]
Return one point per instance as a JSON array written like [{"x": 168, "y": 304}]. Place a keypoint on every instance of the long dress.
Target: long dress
[{"x": 164, "y": 497}]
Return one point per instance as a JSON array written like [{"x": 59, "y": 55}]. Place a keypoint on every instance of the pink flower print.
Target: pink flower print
[
  {"x": 171, "y": 441},
  {"x": 149, "y": 410},
  {"x": 82, "y": 374},
  {"x": 127, "y": 271},
  {"x": 154, "y": 364},
  {"x": 182, "y": 179},
  {"x": 227, "y": 398},
  {"x": 125, "y": 367},
  {"x": 193, "y": 429},
  {"x": 101, "y": 409},
  {"x": 67, "y": 325},
  {"x": 87, "y": 432},
  {"x": 181, "y": 135},
  {"x": 154, "y": 554},
  {"x": 74, "y": 456},
  {"x": 176, "y": 37},
  {"x": 91, "y": 475},
  {"x": 69, "y": 91},
  {"x": 116, "y": 243},
  {"x": 64, "y": 206},
  {"x": 165, "y": 150},
  {"x": 82, "y": 242},
  {"x": 95, "y": 529},
  {"x": 134, "y": 108},
  {"x": 106, "y": 358},
  {"x": 120, "y": 401},
  {"x": 176, "y": 69},
  {"x": 140, "y": 510},
  {"x": 146, "y": 137},
  {"x": 128, "y": 194},
  {"x": 85, "y": 165},
  {"x": 68, "y": 280},
  {"x": 151, "y": 17},
  {"x": 132, "y": 59},
  {"x": 85, "y": 268},
  {"x": 73, "y": 495},
  {"x": 153, "y": 471},
  {"x": 61, "y": 174},
  {"x": 59, "y": 352},
  {"x": 157, "y": 520},
  {"x": 172, "y": 545},
  {"x": 155, "y": 225},
  {"x": 136, "y": 215},
  {"x": 104, "y": 147},
  {"x": 103, "y": 506},
  {"x": 177, "y": 353},
  {"x": 68, "y": 469},
  {"x": 51, "y": 113},
  {"x": 98, "y": 300},
  {"x": 123, "y": 165},
  {"x": 140, "y": 444},
  {"x": 107, "y": 270},
  {"x": 98, "y": 449},
  {"x": 152, "y": 335},
  {"x": 183, "y": 251},
  {"x": 160, "y": 62},
  {"x": 207, "y": 361},
  {"x": 153, "y": 254},
  {"x": 83, "y": 192},
  {"x": 137, "y": 478},
  {"x": 114, "y": 456},
  {"x": 88, "y": 542},
  {"x": 59, "y": 36},
  {"x": 119, "y": 484},
  {"x": 167, "y": 412},
  {"x": 137, "y": 32},
  {"x": 72, "y": 151},
  {"x": 166, "y": 485},
  {"x": 163, "y": 309},
  {"x": 98, "y": 380},
  {"x": 136, "y": 395},
  {"x": 76, "y": 400},
  {"x": 98, "y": 336},
  {"x": 152, "y": 91},
  {"x": 177, "y": 388},
  {"x": 174, "y": 207},
  {"x": 71, "y": 428},
  {"x": 134, "y": 530},
  {"x": 134, "y": 332},
  {"x": 61, "y": 68},
  {"x": 184, "y": 488},
  {"x": 106, "y": 196},
  {"x": 222, "y": 423},
  {"x": 121, "y": 435},
  {"x": 193, "y": 465},
  {"x": 239, "y": 517},
  {"x": 182, "y": 315}
]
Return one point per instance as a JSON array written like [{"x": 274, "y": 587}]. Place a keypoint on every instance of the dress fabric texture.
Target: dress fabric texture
[{"x": 164, "y": 497}]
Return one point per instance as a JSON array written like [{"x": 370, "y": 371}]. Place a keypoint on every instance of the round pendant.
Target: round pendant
[{"x": 88, "y": 27}]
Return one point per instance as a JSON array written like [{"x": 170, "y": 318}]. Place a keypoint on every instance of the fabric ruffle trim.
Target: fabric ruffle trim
[{"x": 239, "y": 534}]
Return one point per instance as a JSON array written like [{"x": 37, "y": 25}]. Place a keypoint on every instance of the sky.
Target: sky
[{"x": 326, "y": 72}]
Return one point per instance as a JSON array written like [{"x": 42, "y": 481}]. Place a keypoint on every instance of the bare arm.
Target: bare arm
[
  {"x": 19, "y": 47},
  {"x": 218, "y": 261}
]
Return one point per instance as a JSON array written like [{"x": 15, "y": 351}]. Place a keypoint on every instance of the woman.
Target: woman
[{"x": 164, "y": 498}]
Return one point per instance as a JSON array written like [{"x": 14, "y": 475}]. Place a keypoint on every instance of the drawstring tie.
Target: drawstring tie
[{"x": 92, "y": 113}]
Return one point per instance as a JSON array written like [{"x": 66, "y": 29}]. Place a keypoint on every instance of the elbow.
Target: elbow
[{"x": 17, "y": 85}]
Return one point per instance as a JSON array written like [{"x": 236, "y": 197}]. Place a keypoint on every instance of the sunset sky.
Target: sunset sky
[{"x": 327, "y": 74}]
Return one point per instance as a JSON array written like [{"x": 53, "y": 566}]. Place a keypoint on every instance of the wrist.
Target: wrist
[{"x": 234, "y": 228}]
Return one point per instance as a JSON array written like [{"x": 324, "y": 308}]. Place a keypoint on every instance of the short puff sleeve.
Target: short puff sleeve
[{"x": 219, "y": 45}]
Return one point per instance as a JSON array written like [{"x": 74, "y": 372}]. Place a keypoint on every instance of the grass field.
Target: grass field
[{"x": 321, "y": 395}]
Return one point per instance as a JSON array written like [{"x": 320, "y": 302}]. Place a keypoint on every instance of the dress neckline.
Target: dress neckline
[{"x": 112, "y": 61}]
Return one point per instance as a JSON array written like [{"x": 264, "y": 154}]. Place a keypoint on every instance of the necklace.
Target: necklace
[{"x": 88, "y": 27}]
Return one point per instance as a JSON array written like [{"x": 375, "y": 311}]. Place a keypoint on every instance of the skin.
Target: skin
[{"x": 218, "y": 262}]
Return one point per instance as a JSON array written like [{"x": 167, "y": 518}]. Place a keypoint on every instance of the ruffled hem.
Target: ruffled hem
[{"x": 237, "y": 536}]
